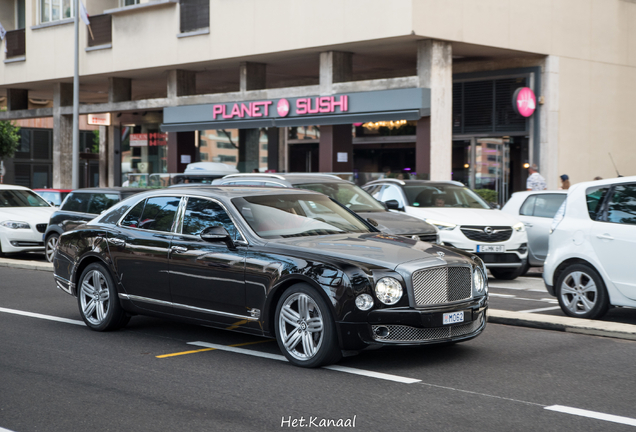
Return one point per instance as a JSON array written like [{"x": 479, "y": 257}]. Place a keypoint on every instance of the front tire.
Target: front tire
[
  {"x": 581, "y": 292},
  {"x": 305, "y": 329},
  {"x": 50, "y": 246},
  {"x": 97, "y": 299}
]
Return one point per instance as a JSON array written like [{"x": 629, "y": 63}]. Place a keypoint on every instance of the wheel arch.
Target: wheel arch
[
  {"x": 572, "y": 261},
  {"x": 81, "y": 266}
]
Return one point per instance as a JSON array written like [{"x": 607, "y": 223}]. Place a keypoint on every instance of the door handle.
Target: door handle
[
  {"x": 117, "y": 242},
  {"x": 529, "y": 225},
  {"x": 178, "y": 249},
  {"x": 605, "y": 237}
]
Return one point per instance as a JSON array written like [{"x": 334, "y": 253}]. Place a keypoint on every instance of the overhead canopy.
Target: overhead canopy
[{"x": 401, "y": 104}]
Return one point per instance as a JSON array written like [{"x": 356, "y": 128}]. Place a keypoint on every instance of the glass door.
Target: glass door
[{"x": 492, "y": 166}]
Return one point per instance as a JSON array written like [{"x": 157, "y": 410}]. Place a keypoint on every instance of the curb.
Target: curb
[
  {"x": 28, "y": 265},
  {"x": 563, "y": 323}
]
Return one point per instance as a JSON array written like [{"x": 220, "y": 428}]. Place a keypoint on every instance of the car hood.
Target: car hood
[
  {"x": 399, "y": 223},
  {"x": 32, "y": 215},
  {"x": 373, "y": 249},
  {"x": 465, "y": 216}
]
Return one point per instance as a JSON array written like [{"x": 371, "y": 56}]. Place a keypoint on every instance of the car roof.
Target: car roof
[
  {"x": 557, "y": 191},
  {"x": 131, "y": 190},
  {"x": 13, "y": 187},
  {"x": 52, "y": 190},
  {"x": 416, "y": 182},
  {"x": 292, "y": 178},
  {"x": 234, "y": 191}
]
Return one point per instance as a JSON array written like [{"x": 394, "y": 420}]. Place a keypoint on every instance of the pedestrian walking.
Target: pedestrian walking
[
  {"x": 565, "y": 182},
  {"x": 535, "y": 181}
]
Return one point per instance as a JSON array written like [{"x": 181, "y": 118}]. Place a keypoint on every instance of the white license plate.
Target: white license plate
[
  {"x": 491, "y": 248},
  {"x": 453, "y": 317}
]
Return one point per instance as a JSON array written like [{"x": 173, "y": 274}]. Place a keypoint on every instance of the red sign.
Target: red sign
[
  {"x": 157, "y": 139},
  {"x": 524, "y": 101},
  {"x": 139, "y": 140}
]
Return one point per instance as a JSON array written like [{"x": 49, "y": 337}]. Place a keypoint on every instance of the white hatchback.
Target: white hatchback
[
  {"x": 464, "y": 220},
  {"x": 590, "y": 263},
  {"x": 24, "y": 216}
]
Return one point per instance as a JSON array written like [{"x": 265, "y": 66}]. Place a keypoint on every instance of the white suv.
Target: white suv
[{"x": 590, "y": 263}]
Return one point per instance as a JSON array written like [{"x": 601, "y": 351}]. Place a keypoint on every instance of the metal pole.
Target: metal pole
[{"x": 75, "y": 171}]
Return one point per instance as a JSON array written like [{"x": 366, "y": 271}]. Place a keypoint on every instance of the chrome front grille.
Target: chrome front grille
[
  {"x": 402, "y": 333},
  {"x": 480, "y": 233},
  {"x": 441, "y": 285}
]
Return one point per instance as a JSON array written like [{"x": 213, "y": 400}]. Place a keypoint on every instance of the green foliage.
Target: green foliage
[
  {"x": 95, "y": 147},
  {"x": 9, "y": 139},
  {"x": 488, "y": 195}
]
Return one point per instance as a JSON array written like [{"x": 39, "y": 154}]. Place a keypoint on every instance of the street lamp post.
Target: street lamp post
[{"x": 75, "y": 150}]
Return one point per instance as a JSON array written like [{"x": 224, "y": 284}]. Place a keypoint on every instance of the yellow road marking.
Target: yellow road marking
[
  {"x": 236, "y": 325},
  {"x": 211, "y": 349}
]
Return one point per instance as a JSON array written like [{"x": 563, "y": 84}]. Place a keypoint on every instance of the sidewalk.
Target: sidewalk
[{"x": 26, "y": 264}]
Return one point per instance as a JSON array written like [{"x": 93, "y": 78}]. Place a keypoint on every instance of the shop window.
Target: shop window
[
  {"x": 194, "y": 15},
  {"x": 101, "y": 26},
  {"x": 55, "y": 10}
]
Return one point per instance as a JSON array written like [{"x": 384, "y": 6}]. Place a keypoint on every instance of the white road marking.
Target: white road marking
[
  {"x": 371, "y": 374},
  {"x": 592, "y": 414},
  {"x": 541, "y": 309},
  {"x": 41, "y": 316},
  {"x": 502, "y": 295},
  {"x": 5, "y": 430}
]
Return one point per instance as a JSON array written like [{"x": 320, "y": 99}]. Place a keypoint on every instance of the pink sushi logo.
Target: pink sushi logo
[
  {"x": 524, "y": 101},
  {"x": 282, "y": 107}
]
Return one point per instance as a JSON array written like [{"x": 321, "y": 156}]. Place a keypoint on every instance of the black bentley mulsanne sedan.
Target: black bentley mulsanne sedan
[{"x": 290, "y": 264}]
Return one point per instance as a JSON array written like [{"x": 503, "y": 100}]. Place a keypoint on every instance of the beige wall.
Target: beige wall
[{"x": 7, "y": 14}]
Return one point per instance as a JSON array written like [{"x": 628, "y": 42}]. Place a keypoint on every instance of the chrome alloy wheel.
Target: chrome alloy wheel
[
  {"x": 579, "y": 293},
  {"x": 94, "y": 297},
  {"x": 51, "y": 245},
  {"x": 301, "y": 326}
]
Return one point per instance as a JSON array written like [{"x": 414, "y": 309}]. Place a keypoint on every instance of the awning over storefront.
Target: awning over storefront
[{"x": 401, "y": 104}]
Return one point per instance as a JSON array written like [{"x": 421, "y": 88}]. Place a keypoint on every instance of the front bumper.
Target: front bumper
[
  {"x": 412, "y": 327},
  {"x": 20, "y": 240},
  {"x": 516, "y": 248}
]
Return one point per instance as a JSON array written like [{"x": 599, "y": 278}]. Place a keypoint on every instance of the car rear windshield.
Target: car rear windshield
[
  {"x": 443, "y": 195},
  {"x": 282, "y": 216},
  {"x": 350, "y": 196},
  {"x": 21, "y": 198}
]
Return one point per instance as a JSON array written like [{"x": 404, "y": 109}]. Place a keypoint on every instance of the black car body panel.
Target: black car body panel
[{"x": 238, "y": 284}]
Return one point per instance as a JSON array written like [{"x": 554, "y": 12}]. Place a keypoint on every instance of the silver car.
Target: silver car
[{"x": 536, "y": 210}]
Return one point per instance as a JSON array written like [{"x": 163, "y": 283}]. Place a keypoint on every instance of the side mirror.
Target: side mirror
[
  {"x": 217, "y": 233},
  {"x": 494, "y": 205},
  {"x": 392, "y": 204}
]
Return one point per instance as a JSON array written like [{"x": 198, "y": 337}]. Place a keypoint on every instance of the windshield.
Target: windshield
[
  {"x": 21, "y": 198},
  {"x": 351, "y": 196},
  {"x": 443, "y": 195},
  {"x": 285, "y": 216}
]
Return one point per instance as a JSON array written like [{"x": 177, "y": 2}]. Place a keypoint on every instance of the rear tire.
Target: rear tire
[
  {"x": 581, "y": 292},
  {"x": 506, "y": 274},
  {"x": 305, "y": 328},
  {"x": 97, "y": 299}
]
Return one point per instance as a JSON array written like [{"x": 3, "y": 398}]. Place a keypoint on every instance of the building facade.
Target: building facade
[{"x": 414, "y": 87}]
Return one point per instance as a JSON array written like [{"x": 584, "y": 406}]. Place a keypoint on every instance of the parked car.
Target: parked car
[
  {"x": 23, "y": 219},
  {"x": 351, "y": 196},
  {"x": 535, "y": 209},
  {"x": 590, "y": 263},
  {"x": 464, "y": 220},
  {"x": 79, "y": 207},
  {"x": 53, "y": 196},
  {"x": 275, "y": 262}
]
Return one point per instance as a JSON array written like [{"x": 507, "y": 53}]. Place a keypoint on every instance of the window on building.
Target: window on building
[
  {"x": 55, "y": 10},
  {"x": 263, "y": 159},
  {"x": 224, "y": 145},
  {"x": 204, "y": 157},
  {"x": 194, "y": 15},
  {"x": 263, "y": 146},
  {"x": 227, "y": 158},
  {"x": 128, "y": 2}
]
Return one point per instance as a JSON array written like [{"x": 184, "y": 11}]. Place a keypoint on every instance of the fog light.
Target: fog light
[
  {"x": 523, "y": 248},
  {"x": 382, "y": 331},
  {"x": 364, "y": 302}
]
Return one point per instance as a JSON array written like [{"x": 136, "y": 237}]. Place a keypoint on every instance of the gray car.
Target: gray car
[
  {"x": 348, "y": 194},
  {"x": 536, "y": 210}
]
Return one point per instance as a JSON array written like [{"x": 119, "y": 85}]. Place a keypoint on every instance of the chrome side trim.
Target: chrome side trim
[
  {"x": 185, "y": 307},
  {"x": 63, "y": 284}
]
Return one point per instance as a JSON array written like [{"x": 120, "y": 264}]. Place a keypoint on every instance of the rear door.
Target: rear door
[{"x": 537, "y": 213}]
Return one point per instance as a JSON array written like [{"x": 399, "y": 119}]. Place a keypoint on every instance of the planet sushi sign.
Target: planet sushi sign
[{"x": 524, "y": 101}]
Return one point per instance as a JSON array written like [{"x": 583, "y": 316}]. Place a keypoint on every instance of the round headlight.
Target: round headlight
[
  {"x": 478, "y": 281},
  {"x": 388, "y": 290},
  {"x": 364, "y": 302}
]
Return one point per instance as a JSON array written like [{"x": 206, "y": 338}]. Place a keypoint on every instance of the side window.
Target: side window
[
  {"x": 159, "y": 213},
  {"x": 594, "y": 197},
  {"x": 77, "y": 202},
  {"x": 202, "y": 213},
  {"x": 527, "y": 209},
  {"x": 375, "y": 191},
  {"x": 548, "y": 204},
  {"x": 101, "y": 202},
  {"x": 132, "y": 218},
  {"x": 622, "y": 205},
  {"x": 393, "y": 193}
]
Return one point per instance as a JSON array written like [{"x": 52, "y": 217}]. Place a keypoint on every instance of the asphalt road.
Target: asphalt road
[{"x": 60, "y": 376}]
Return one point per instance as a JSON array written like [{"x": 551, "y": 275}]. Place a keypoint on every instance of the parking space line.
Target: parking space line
[
  {"x": 541, "y": 309},
  {"x": 592, "y": 414},
  {"x": 42, "y": 316},
  {"x": 210, "y": 349}
]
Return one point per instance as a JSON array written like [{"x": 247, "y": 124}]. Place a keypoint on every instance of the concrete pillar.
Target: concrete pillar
[
  {"x": 548, "y": 158},
  {"x": 119, "y": 89},
  {"x": 273, "y": 140},
  {"x": 248, "y": 149},
  {"x": 336, "y": 142},
  {"x": 62, "y": 137},
  {"x": 17, "y": 99},
  {"x": 252, "y": 76},
  {"x": 283, "y": 150},
  {"x": 435, "y": 71},
  {"x": 181, "y": 83},
  {"x": 114, "y": 155},
  {"x": 103, "y": 156},
  {"x": 335, "y": 67}
]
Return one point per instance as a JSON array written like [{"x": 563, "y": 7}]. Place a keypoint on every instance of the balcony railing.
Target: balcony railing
[
  {"x": 16, "y": 45},
  {"x": 101, "y": 26}
]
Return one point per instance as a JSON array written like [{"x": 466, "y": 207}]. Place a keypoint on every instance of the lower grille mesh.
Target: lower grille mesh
[{"x": 401, "y": 333}]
